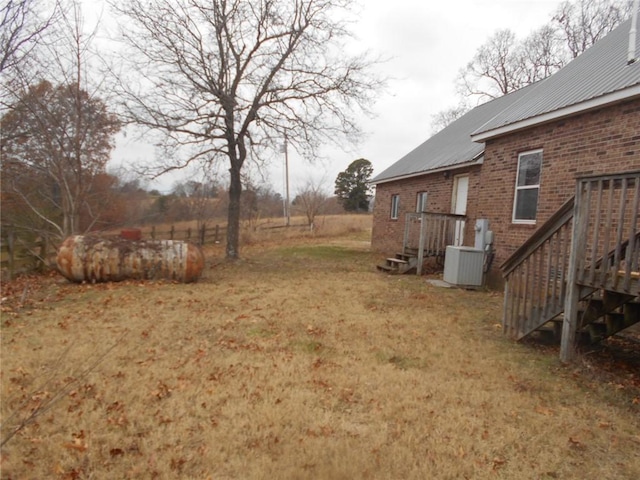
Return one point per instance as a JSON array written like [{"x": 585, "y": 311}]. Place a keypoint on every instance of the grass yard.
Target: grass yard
[{"x": 298, "y": 362}]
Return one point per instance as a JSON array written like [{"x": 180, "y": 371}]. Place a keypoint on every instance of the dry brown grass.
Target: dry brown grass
[
  {"x": 298, "y": 362},
  {"x": 271, "y": 230}
]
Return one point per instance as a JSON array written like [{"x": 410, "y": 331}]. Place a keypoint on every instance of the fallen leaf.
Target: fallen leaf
[
  {"x": 575, "y": 443},
  {"x": 544, "y": 411},
  {"x": 498, "y": 462}
]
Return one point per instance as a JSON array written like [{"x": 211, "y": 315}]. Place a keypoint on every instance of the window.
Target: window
[
  {"x": 525, "y": 205},
  {"x": 421, "y": 202},
  {"x": 395, "y": 206}
]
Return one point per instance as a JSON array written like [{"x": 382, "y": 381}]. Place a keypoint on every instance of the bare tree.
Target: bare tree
[
  {"x": 495, "y": 70},
  {"x": 311, "y": 199},
  {"x": 541, "y": 54},
  {"x": 443, "y": 118},
  {"x": 22, "y": 24},
  {"x": 584, "y": 22},
  {"x": 225, "y": 79},
  {"x": 504, "y": 64}
]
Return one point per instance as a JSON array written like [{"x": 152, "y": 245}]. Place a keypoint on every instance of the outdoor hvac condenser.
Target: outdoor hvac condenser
[{"x": 463, "y": 266}]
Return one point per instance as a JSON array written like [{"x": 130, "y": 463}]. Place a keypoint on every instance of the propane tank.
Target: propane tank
[{"x": 88, "y": 258}]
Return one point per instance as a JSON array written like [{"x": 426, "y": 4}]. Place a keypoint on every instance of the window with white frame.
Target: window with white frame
[
  {"x": 395, "y": 206},
  {"x": 525, "y": 205},
  {"x": 421, "y": 202}
]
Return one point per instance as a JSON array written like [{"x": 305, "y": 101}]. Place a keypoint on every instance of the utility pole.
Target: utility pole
[{"x": 287, "y": 205}]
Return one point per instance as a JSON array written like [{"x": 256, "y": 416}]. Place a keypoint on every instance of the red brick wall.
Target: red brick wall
[
  {"x": 387, "y": 234},
  {"x": 602, "y": 141},
  {"x": 598, "y": 142}
]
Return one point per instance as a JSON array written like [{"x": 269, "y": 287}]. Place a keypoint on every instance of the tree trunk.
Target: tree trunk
[{"x": 233, "y": 218}]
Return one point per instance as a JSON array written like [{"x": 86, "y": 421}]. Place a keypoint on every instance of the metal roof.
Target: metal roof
[
  {"x": 450, "y": 147},
  {"x": 594, "y": 78},
  {"x": 598, "y": 76}
]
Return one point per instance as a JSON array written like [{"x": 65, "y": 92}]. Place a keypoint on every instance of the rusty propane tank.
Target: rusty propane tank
[{"x": 99, "y": 259}]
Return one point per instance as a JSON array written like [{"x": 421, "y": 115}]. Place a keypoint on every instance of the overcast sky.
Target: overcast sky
[{"x": 427, "y": 41}]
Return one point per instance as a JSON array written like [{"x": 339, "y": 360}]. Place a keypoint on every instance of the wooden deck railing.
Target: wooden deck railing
[
  {"x": 608, "y": 224},
  {"x": 428, "y": 234},
  {"x": 535, "y": 275},
  {"x": 605, "y": 249}
]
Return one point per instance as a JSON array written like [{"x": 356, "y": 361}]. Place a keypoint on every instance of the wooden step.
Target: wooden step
[
  {"x": 397, "y": 260},
  {"x": 601, "y": 304}
]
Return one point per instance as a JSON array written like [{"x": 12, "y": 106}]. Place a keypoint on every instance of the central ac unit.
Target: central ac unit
[{"x": 463, "y": 266}]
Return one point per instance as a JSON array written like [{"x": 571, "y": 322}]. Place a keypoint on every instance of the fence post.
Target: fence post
[
  {"x": 215, "y": 237},
  {"x": 172, "y": 231},
  {"x": 203, "y": 229},
  {"x": 189, "y": 234},
  {"x": 10, "y": 247},
  {"x": 153, "y": 232}
]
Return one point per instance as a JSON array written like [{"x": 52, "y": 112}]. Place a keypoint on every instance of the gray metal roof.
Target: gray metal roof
[
  {"x": 600, "y": 71},
  {"x": 452, "y": 146}
]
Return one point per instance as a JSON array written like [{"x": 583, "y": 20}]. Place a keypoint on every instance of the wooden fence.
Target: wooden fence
[{"x": 17, "y": 255}]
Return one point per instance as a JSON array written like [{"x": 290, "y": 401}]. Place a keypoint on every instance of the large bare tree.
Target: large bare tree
[
  {"x": 504, "y": 64},
  {"x": 226, "y": 80}
]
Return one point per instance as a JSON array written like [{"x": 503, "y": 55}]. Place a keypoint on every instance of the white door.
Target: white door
[{"x": 459, "y": 205}]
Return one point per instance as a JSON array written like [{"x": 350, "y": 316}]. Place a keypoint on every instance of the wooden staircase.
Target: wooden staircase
[
  {"x": 601, "y": 315},
  {"x": 577, "y": 276},
  {"x": 599, "y": 320}
]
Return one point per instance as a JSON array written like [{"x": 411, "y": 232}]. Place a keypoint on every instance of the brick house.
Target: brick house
[{"x": 515, "y": 160}]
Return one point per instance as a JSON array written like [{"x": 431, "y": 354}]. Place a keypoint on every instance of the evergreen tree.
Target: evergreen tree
[{"x": 352, "y": 186}]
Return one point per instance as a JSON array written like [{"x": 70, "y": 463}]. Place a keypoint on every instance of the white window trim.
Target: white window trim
[
  {"x": 395, "y": 206},
  {"x": 526, "y": 187}
]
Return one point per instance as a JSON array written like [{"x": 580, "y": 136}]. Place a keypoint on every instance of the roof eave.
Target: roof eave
[
  {"x": 598, "y": 102},
  {"x": 477, "y": 160}
]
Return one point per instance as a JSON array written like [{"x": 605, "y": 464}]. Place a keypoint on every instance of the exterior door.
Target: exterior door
[{"x": 459, "y": 205}]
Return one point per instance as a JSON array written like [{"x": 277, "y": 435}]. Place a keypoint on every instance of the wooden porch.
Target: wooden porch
[
  {"x": 578, "y": 275},
  {"x": 426, "y": 234}
]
